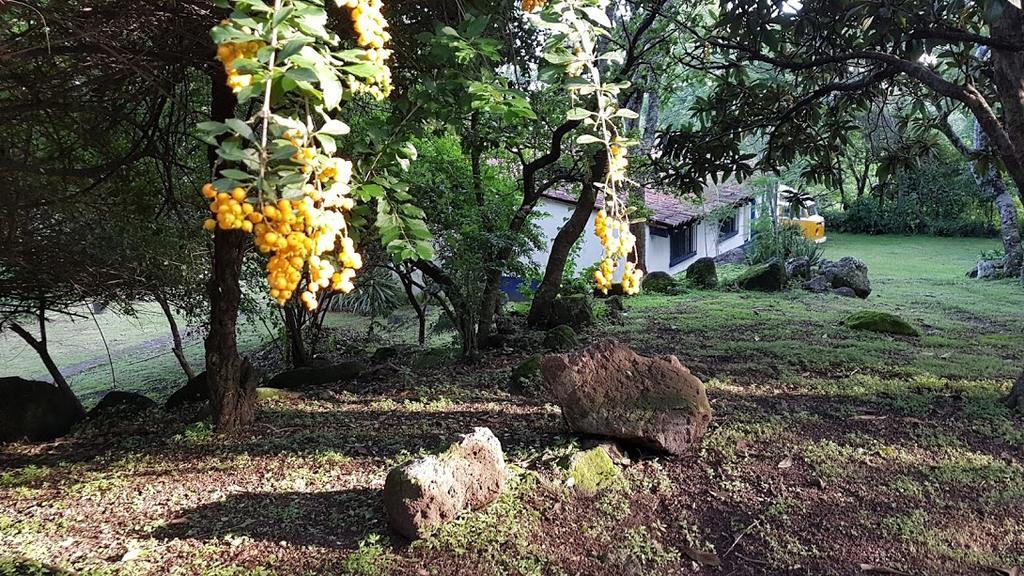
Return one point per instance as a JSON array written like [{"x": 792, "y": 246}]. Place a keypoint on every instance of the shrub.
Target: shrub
[{"x": 782, "y": 242}]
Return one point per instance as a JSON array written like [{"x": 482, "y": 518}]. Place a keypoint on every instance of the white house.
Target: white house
[{"x": 677, "y": 233}]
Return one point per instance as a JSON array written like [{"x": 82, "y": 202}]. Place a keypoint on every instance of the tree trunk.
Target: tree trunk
[
  {"x": 990, "y": 180},
  {"x": 293, "y": 330},
  {"x": 229, "y": 376},
  {"x": 176, "y": 346},
  {"x": 40, "y": 348},
  {"x": 563, "y": 243}
]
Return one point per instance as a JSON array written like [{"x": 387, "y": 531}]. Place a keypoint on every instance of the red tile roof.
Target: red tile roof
[{"x": 670, "y": 210}]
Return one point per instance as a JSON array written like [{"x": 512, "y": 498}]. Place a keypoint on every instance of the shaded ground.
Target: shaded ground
[{"x": 831, "y": 452}]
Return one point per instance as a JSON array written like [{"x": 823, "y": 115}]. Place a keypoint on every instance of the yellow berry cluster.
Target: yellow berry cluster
[
  {"x": 228, "y": 53},
  {"x": 299, "y": 235},
  {"x": 371, "y": 30},
  {"x": 231, "y": 211},
  {"x": 617, "y": 163},
  {"x": 618, "y": 242}
]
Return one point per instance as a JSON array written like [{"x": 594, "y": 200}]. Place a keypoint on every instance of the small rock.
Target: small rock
[
  {"x": 609, "y": 390},
  {"x": 845, "y": 292},
  {"x": 767, "y": 277},
  {"x": 660, "y": 282},
  {"x": 121, "y": 402},
  {"x": 561, "y": 339},
  {"x": 525, "y": 379},
  {"x": 848, "y": 272},
  {"x": 819, "y": 285},
  {"x": 702, "y": 273},
  {"x": 799, "y": 268},
  {"x": 383, "y": 354},
  {"x": 263, "y": 393},
  {"x": 592, "y": 471},
  {"x": 420, "y": 495},
  {"x": 615, "y": 303},
  {"x": 195, "y": 390},
  {"x": 882, "y": 322},
  {"x": 314, "y": 376},
  {"x": 986, "y": 269},
  {"x": 574, "y": 310}
]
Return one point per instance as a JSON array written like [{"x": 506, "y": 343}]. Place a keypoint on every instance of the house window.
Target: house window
[
  {"x": 682, "y": 244},
  {"x": 727, "y": 228}
]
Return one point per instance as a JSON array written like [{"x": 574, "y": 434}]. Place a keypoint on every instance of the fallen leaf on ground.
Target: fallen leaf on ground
[
  {"x": 702, "y": 558},
  {"x": 787, "y": 462},
  {"x": 882, "y": 570}
]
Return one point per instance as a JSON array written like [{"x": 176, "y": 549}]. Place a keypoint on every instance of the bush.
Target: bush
[
  {"x": 782, "y": 242},
  {"x": 939, "y": 197},
  {"x": 904, "y": 216}
]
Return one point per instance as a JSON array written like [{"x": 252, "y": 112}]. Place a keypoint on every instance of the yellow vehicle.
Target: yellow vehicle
[{"x": 800, "y": 210}]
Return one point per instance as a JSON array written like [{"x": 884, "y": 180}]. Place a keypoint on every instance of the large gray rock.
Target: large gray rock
[
  {"x": 609, "y": 390},
  {"x": 848, "y": 272},
  {"x": 429, "y": 491},
  {"x": 36, "y": 411},
  {"x": 799, "y": 268}
]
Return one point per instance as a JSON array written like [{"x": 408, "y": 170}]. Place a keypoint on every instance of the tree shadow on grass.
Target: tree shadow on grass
[
  {"x": 334, "y": 520},
  {"x": 18, "y": 566}
]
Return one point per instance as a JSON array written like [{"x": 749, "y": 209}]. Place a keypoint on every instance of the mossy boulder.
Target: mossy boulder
[
  {"x": 592, "y": 471},
  {"x": 767, "y": 277},
  {"x": 274, "y": 394},
  {"x": 660, "y": 282},
  {"x": 702, "y": 273},
  {"x": 561, "y": 339},
  {"x": 525, "y": 377},
  {"x": 575, "y": 310},
  {"x": 882, "y": 322},
  {"x": 615, "y": 303},
  {"x": 609, "y": 390}
]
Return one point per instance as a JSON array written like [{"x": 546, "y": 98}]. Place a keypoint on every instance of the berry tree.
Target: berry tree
[{"x": 281, "y": 177}]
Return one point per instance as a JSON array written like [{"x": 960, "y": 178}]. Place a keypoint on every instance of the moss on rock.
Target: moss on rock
[
  {"x": 593, "y": 470},
  {"x": 561, "y": 339},
  {"x": 882, "y": 322},
  {"x": 767, "y": 277},
  {"x": 526, "y": 376},
  {"x": 702, "y": 273}
]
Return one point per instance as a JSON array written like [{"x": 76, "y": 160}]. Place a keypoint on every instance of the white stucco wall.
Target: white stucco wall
[{"x": 657, "y": 246}]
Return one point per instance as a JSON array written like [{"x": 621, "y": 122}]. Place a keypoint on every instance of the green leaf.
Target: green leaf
[
  {"x": 598, "y": 16},
  {"x": 291, "y": 48},
  {"x": 331, "y": 88},
  {"x": 239, "y": 127},
  {"x": 237, "y": 175},
  {"x": 588, "y": 139},
  {"x": 577, "y": 114},
  {"x": 424, "y": 250},
  {"x": 334, "y": 128},
  {"x": 362, "y": 70}
]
